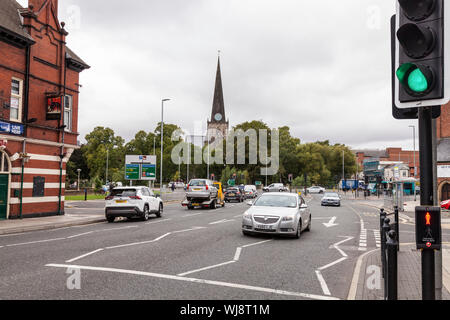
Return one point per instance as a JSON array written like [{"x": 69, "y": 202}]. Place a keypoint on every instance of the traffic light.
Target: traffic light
[
  {"x": 407, "y": 113},
  {"x": 420, "y": 59},
  {"x": 428, "y": 228}
]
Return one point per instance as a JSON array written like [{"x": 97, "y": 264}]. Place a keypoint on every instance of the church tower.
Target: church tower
[{"x": 218, "y": 126}]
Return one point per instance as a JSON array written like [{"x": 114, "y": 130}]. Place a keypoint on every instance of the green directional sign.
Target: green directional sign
[
  {"x": 148, "y": 171},
  {"x": 258, "y": 183},
  {"x": 132, "y": 172},
  {"x": 231, "y": 182}
]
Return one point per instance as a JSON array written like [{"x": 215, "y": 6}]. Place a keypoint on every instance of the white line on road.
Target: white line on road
[
  {"x": 159, "y": 221},
  {"x": 33, "y": 242},
  {"x": 221, "y": 221},
  {"x": 84, "y": 255},
  {"x": 199, "y": 281},
  {"x": 237, "y": 255},
  {"x": 139, "y": 243},
  {"x": 79, "y": 235},
  {"x": 322, "y": 281},
  {"x": 323, "y": 284}
]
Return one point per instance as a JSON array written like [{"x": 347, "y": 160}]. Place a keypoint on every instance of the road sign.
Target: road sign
[
  {"x": 132, "y": 171},
  {"x": 420, "y": 60},
  {"x": 139, "y": 167}
]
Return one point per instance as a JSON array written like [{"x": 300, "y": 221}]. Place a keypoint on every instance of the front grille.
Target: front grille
[
  {"x": 267, "y": 220},
  {"x": 266, "y": 230}
]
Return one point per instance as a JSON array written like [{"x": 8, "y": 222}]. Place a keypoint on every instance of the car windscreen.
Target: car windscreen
[
  {"x": 331, "y": 195},
  {"x": 197, "y": 183},
  {"x": 279, "y": 201},
  {"x": 123, "y": 193}
]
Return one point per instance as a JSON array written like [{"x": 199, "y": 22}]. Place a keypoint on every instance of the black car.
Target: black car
[{"x": 234, "y": 194}]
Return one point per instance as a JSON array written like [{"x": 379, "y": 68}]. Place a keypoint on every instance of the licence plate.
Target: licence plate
[
  {"x": 121, "y": 201},
  {"x": 197, "y": 189},
  {"x": 264, "y": 227},
  {"x": 232, "y": 194},
  {"x": 196, "y": 204}
]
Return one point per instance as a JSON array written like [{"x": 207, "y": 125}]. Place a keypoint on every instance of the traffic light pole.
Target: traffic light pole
[{"x": 426, "y": 195}]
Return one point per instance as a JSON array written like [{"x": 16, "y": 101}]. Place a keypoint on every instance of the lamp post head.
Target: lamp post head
[{"x": 164, "y": 100}]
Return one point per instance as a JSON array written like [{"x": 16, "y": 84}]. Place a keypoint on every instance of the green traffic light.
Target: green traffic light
[
  {"x": 417, "y": 81},
  {"x": 411, "y": 76}
]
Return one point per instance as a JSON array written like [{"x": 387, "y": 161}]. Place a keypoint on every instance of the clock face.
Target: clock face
[{"x": 218, "y": 117}]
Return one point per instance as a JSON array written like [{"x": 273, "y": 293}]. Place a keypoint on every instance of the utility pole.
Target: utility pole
[
  {"x": 107, "y": 161},
  {"x": 415, "y": 168},
  {"x": 162, "y": 146}
]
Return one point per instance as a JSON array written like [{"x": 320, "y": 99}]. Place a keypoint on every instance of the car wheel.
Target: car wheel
[
  {"x": 190, "y": 208},
  {"x": 299, "y": 230},
  {"x": 160, "y": 211},
  {"x": 110, "y": 219},
  {"x": 308, "y": 229},
  {"x": 246, "y": 233},
  {"x": 213, "y": 205},
  {"x": 146, "y": 214}
]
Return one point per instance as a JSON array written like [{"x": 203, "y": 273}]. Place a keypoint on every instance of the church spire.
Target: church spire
[{"x": 218, "y": 108}]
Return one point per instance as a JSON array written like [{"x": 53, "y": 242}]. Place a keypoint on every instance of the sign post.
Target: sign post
[{"x": 140, "y": 168}]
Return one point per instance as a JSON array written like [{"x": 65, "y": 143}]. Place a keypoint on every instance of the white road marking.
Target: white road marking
[
  {"x": 79, "y": 235},
  {"x": 194, "y": 280},
  {"x": 114, "y": 229},
  {"x": 159, "y": 221},
  {"x": 221, "y": 221},
  {"x": 331, "y": 223},
  {"x": 84, "y": 255},
  {"x": 321, "y": 279},
  {"x": 139, "y": 243},
  {"x": 237, "y": 255},
  {"x": 187, "y": 230},
  {"x": 33, "y": 242},
  {"x": 355, "y": 279},
  {"x": 323, "y": 284},
  {"x": 206, "y": 268}
]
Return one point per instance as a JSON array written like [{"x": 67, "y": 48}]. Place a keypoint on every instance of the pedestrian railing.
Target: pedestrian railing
[{"x": 389, "y": 250}]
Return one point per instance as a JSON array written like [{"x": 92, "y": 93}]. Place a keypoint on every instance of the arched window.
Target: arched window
[{"x": 4, "y": 162}]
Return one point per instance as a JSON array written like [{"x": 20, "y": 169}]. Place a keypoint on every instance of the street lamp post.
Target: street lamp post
[
  {"x": 415, "y": 168},
  {"x": 162, "y": 145},
  {"x": 78, "y": 185}
]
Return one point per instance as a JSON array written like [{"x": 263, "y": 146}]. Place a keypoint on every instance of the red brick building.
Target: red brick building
[
  {"x": 39, "y": 87},
  {"x": 392, "y": 155},
  {"x": 443, "y": 153}
]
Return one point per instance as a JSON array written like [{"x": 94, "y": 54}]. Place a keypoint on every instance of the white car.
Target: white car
[
  {"x": 316, "y": 189},
  {"x": 131, "y": 202}
]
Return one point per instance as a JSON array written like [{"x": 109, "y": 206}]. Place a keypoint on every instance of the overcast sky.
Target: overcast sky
[{"x": 320, "y": 67}]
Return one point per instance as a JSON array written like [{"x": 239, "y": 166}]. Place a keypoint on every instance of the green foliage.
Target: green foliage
[{"x": 320, "y": 162}]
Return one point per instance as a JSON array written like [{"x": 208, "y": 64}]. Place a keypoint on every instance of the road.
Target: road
[{"x": 191, "y": 255}]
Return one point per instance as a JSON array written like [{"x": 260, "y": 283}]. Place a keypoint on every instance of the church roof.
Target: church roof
[{"x": 218, "y": 102}]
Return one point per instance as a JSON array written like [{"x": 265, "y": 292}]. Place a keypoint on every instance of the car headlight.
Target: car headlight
[
  {"x": 288, "y": 218},
  {"x": 247, "y": 216}
]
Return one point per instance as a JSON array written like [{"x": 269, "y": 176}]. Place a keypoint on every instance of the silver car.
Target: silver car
[
  {"x": 201, "y": 189},
  {"x": 277, "y": 213},
  {"x": 275, "y": 187},
  {"x": 331, "y": 199}
]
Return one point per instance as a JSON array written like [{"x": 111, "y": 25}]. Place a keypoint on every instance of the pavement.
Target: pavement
[
  {"x": 409, "y": 260},
  {"x": 77, "y": 213}
]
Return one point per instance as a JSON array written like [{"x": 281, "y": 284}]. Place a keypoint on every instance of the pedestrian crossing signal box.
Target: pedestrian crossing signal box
[{"x": 428, "y": 228}]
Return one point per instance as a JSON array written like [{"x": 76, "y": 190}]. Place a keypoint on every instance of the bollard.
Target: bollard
[
  {"x": 392, "y": 270},
  {"x": 383, "y": 239},
  {"x": 384, "y": 231},
  {"x": 397, "y": 225},
  {"x": 85, "y": 194}
]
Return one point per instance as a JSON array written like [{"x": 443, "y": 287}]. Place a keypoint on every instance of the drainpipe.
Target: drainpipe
[
  {"x": 63, "y": 62},
  {"x": 21, "y": 178}
]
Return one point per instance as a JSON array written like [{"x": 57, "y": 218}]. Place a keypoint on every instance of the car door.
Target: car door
[
  {"x": 152, "y": 200},
  {"x": 304, "y": 212}
]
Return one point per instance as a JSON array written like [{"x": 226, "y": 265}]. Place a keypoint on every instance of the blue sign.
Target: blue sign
[{"x": 12, "y": 128}]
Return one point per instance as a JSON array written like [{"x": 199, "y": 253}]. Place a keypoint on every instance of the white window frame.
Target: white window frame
[
  {"x": 70, "y": 111},
  {"x": 19, "y": 97}
]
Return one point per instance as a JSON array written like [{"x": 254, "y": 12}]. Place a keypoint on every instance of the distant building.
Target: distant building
[
  {"x": 443, "y": 153},
  {"x": 392, "y": 155},
  {"x": 218, "y": 127},
  {"x": 39, "y": 87}
]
